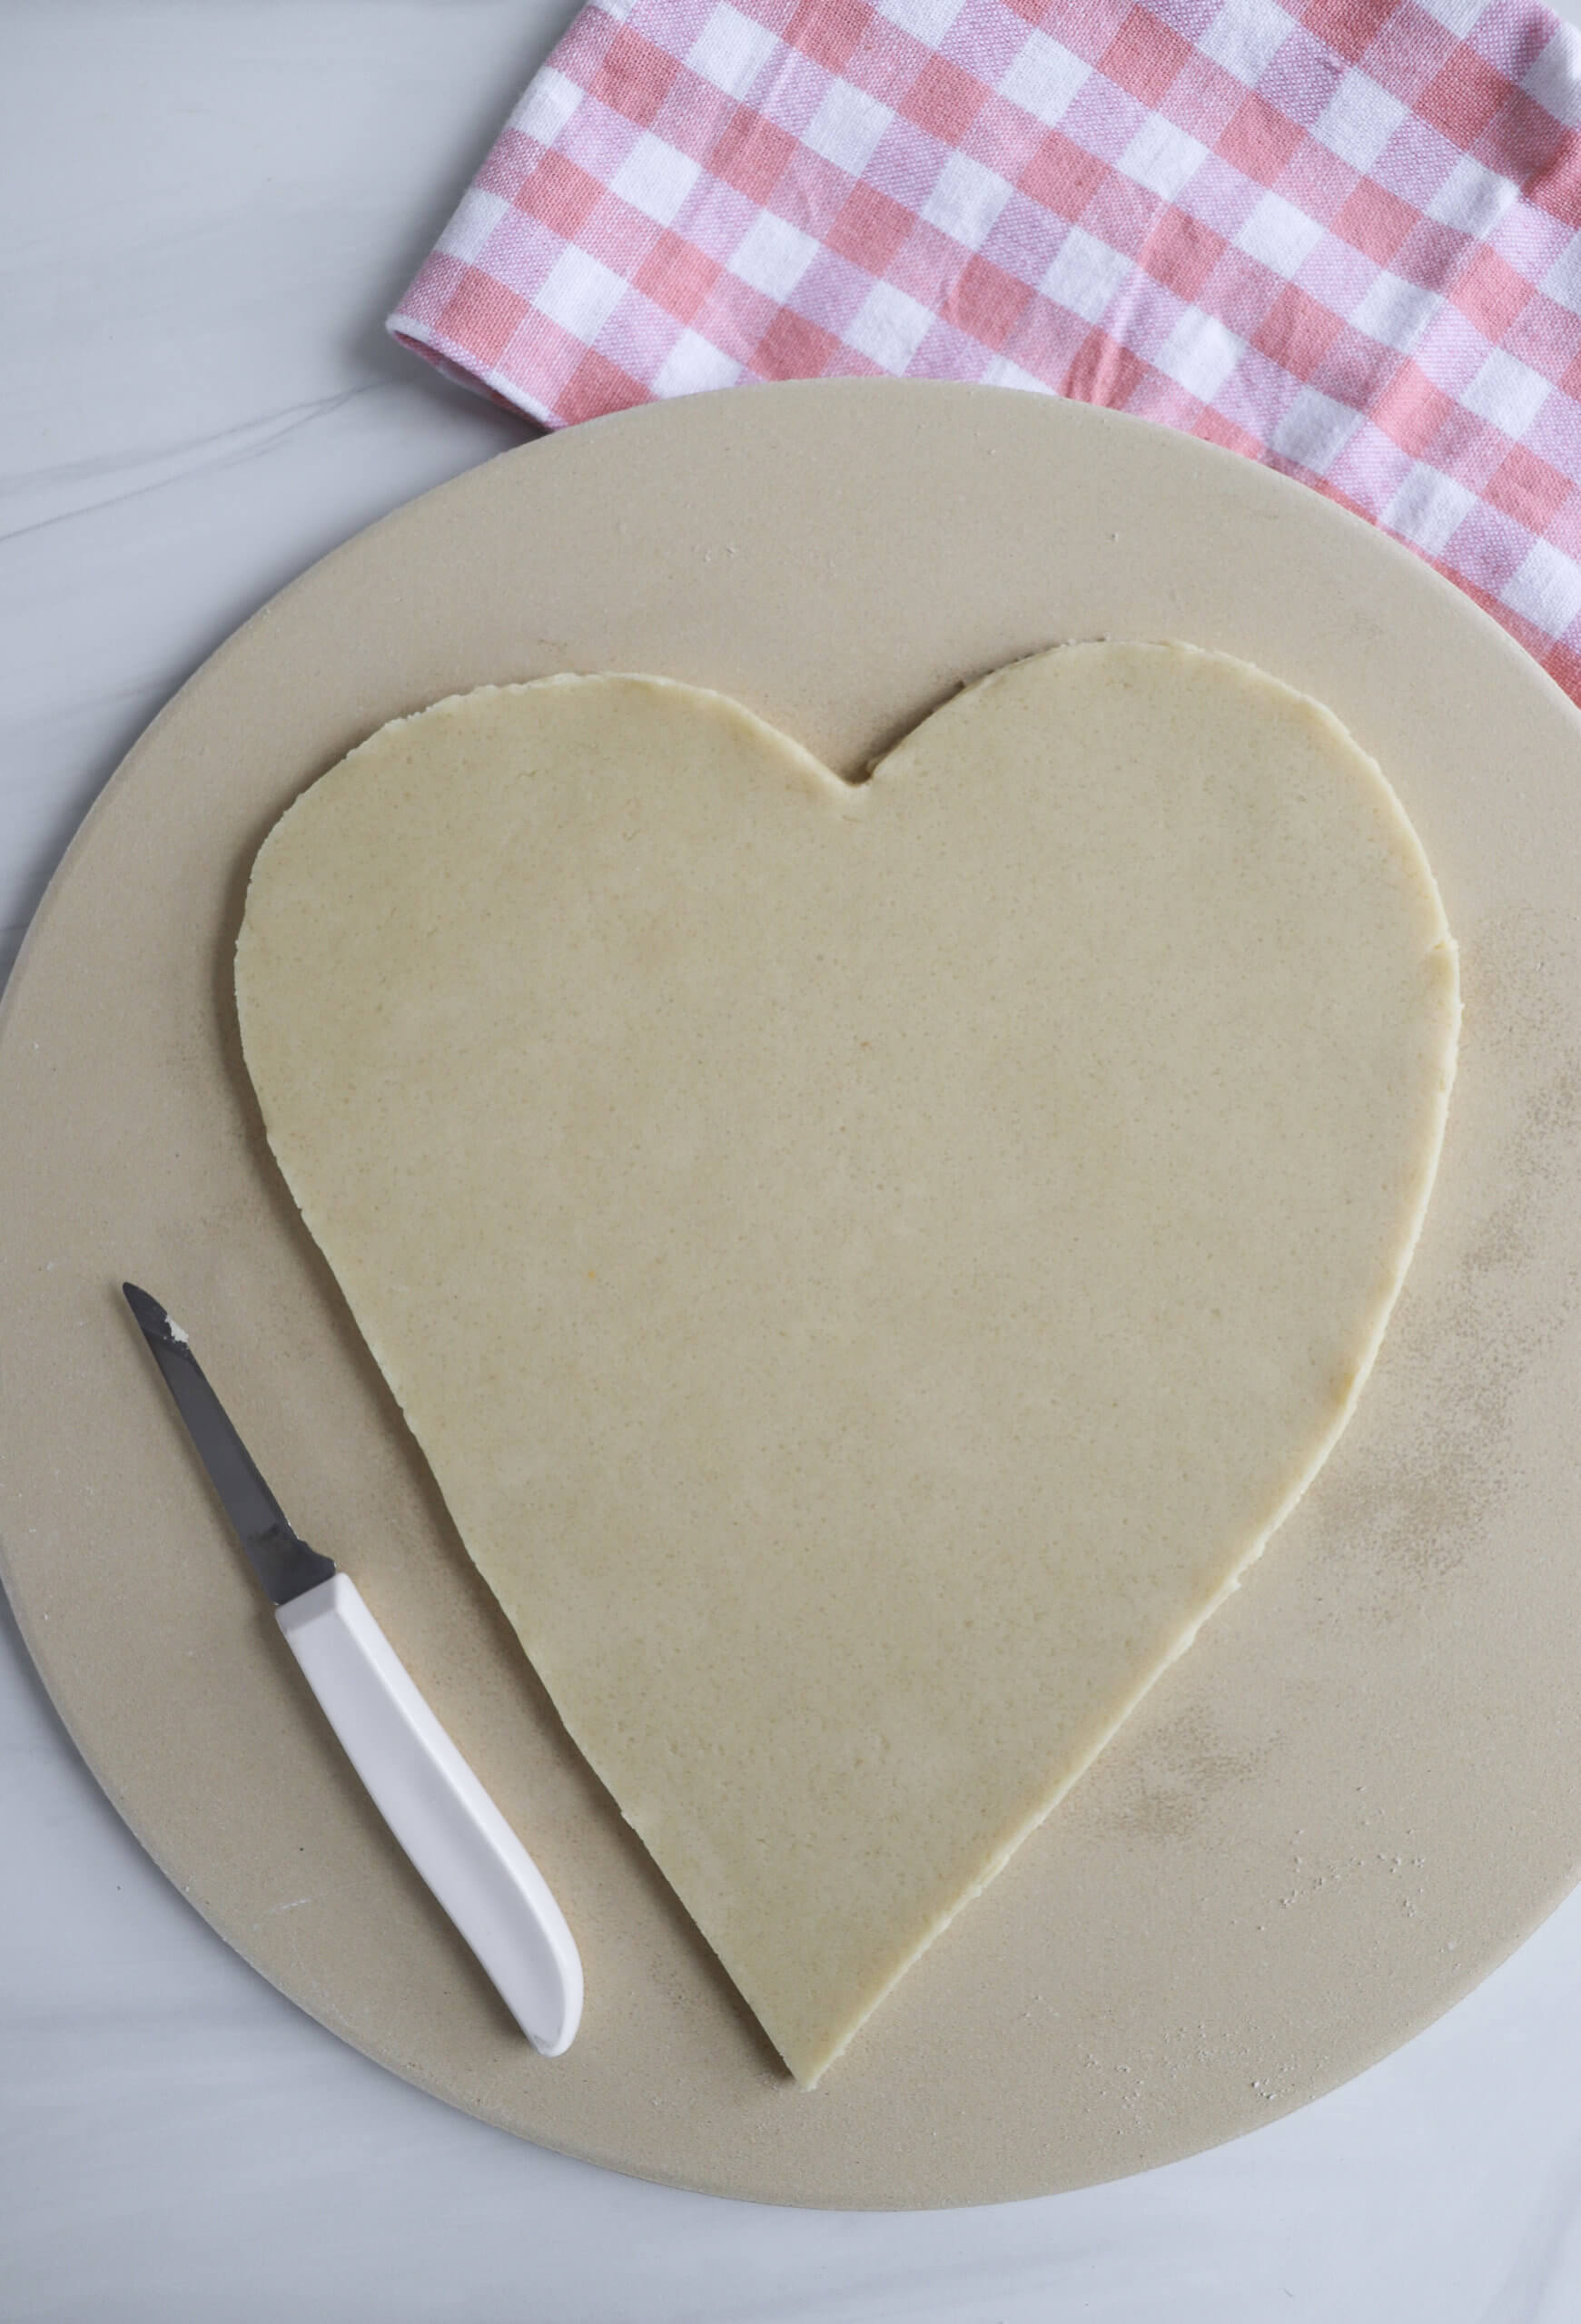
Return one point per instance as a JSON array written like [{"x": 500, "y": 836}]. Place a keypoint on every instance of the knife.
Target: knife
[{"x": 419, "y": 1782}]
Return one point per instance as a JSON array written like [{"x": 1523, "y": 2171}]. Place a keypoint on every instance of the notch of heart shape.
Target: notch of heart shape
[{"x": 868, "y": 1265}]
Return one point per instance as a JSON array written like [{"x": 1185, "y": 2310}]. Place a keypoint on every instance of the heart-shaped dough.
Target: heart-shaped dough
[{"x": 868, "y": 1265}]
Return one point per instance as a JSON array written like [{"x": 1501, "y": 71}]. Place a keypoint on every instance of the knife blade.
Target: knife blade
[
  {"x": 448, "y": 1827},
  {"x": 282, "y": 1562}
]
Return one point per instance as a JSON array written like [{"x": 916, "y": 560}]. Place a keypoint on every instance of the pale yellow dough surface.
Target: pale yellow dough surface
[{"x": 867, "y": 1265}]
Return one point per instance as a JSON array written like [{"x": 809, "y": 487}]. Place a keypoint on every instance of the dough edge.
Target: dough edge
[{"x": 846, "y": 793}]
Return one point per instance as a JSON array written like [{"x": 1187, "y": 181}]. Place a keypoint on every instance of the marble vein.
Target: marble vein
[{"x": 247, "y": 439}]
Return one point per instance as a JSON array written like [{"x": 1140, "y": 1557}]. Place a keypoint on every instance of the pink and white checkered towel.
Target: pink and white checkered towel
[{"x": 1340, "y": 236}]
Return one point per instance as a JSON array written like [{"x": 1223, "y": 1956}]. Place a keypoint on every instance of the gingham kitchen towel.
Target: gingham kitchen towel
[{"x": 1340, "y": 237}]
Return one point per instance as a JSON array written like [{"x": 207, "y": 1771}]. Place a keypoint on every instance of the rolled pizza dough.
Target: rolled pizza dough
[{"x": 868, "y": 1265}]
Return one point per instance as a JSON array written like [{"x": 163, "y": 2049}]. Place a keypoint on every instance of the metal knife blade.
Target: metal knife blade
[{"x": 282, "y": 1562}]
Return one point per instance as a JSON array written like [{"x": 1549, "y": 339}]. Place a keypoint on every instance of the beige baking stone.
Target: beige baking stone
[
  {"x": 868, "y": 1265},
  {"x": 1362, "y": 1785}
]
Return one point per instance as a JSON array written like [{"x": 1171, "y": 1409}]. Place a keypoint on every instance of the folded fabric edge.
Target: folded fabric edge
[{"x": 447, "y": 359}]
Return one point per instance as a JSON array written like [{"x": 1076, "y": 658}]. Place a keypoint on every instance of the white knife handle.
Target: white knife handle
[{"x": 438, "y": 1811}]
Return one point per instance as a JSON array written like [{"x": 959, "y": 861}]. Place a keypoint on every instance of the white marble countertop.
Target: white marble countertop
[{"x": 206, "y": 211}]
